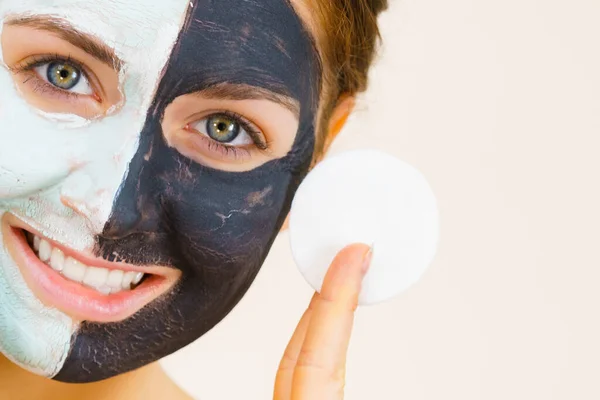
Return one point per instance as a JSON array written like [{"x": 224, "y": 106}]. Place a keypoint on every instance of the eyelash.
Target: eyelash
[
  {"x": 255, "y": 134},
  {"x": 40, "y": 86},
  {"x": 249, "y": 127}
]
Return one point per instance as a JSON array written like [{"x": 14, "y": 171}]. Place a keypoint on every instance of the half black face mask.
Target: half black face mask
[{"x": 216, "y": 227}]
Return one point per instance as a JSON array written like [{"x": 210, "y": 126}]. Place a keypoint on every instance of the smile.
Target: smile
[
  {"x": 103, "y": 280},
  {"x": 83, "y": 287}
]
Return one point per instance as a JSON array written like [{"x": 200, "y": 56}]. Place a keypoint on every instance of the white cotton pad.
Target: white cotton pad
[{"x": 365, "y": 196}]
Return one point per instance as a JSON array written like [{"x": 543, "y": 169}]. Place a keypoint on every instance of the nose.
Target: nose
[
  {"x": 88, "y": 198},
  {"x": 115, "y": 211},
  {"x": 137, "y": 207},
  {"x": 134, "y": 212}
]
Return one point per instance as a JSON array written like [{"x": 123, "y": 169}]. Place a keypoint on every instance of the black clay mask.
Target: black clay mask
[{"x": 211, "y": 223}]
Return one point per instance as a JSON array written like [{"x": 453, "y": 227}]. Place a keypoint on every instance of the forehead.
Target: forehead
[
  {"x": 141, "y": 33},
  {"x": 259, "y": 43},
  {"x": 126, "y": 25}
]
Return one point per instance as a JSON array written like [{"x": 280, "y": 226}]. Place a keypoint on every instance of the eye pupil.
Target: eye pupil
[
  {"x": 63, "y": 75},
  {"x": 222, "y": 128}
]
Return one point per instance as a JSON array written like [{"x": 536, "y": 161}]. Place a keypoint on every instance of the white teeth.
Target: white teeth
[
  {"x": 102, "y": 280},
  {"x": 115, "y": 277},
  {"x": 45, "y": 251},
  {"x": 57, "y": 260},
  {"x": 104, "y": 290},
  {"x": 127, "y": 279},
  {"x": 74, "y": 270},
  {"x": 138, "y": 278},
  {"x": 95, "y": 277}
]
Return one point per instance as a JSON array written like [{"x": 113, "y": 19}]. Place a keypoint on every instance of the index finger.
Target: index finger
[{"x": 320, "y": 370}]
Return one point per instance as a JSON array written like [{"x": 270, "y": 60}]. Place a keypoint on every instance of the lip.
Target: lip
[{"x": 76, "y": 300}]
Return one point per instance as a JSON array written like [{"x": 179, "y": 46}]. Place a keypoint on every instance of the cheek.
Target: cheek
[
  {"x": 58, "y": 164},
  {"x": 40, "y": 150},
  {"x": 32, "y": 154},
  {"x": 85, "y": 160},
  {"x": 236, "y": 222}
]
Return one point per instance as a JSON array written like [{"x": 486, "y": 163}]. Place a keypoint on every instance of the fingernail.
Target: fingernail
[{"x": 368, "y": 257}]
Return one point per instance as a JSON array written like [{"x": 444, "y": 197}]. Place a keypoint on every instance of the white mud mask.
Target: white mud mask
[{"x": 49, "y": 159}]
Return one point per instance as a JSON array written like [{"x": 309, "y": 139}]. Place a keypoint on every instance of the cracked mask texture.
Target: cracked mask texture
[{"x": 215, "y": 226}]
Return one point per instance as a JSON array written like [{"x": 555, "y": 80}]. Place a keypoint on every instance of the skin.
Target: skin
[
  {"x": 314, "y": 363},
  {"x": 107, "y": 341}
]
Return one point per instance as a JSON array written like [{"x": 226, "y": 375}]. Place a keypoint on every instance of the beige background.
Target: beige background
[{"x": 498, "y": 104}]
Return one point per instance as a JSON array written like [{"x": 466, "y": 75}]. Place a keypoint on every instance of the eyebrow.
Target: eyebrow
[
  {"x": 64, "y": 30},
  {"x": 229, "y": 91}
]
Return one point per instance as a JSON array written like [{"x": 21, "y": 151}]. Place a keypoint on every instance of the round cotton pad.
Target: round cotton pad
[{"x": 365, "y": 196}]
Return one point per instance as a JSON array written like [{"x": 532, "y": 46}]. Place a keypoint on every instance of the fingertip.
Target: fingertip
[
  {"x": 355, "y": 252},
  {"x": 355, "y": 257},
  {"x": 346, "y": 271}
]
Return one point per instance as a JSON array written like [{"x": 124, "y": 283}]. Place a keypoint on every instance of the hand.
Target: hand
[{"x": 314, "y": 364}]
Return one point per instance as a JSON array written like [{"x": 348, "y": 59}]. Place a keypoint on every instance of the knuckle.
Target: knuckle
[
  {"x": 310, "y": 359},
  {"x": 338, "y": 376},
  {"x": 312, "y": 363},
  {"x": 349, "y": 304},
  {"x": 327, "y": 298},
  {"x": 353, "y": 304},
  {"x": 287, "y": 361}
]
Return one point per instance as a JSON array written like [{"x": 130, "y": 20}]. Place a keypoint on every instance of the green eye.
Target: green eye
[
  {"x": 63, "y": 75},
  {"x": 222, "y": 128}
]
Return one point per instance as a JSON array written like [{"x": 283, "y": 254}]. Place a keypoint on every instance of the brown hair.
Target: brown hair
[{"x": 347, "y": 35}]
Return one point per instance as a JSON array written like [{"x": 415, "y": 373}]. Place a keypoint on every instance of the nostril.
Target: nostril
[
  {"x": 121, "y": 224},
  {"x": 79, "y": 194},
  {"x": 78, "y": 206},
  {"x": 75, "y": 164},
  {"x": 133, "y": 215}
]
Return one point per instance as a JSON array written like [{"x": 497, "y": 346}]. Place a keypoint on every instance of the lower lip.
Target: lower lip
[{"x": 79, "y": 302}]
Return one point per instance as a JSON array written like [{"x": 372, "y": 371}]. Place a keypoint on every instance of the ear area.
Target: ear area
[{"x": 339, "y": 116}]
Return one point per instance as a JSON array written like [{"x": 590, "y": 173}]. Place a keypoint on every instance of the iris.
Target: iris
[
  {"x": 63, "y": 75},
  {"x": 222, "y": 128}
]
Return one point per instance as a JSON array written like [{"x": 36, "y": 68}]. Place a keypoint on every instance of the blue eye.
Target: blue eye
[
  {"x": 222, "y": 128},
  {"x": 230, "y": 130},
  {"x": 63, "y": 75}
]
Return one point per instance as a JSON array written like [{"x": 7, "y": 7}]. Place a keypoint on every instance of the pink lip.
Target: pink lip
[{"x": 78, "y": 301}]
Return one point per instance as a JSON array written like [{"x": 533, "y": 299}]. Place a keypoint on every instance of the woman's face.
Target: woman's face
[{"x": 149, "y": 154}]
